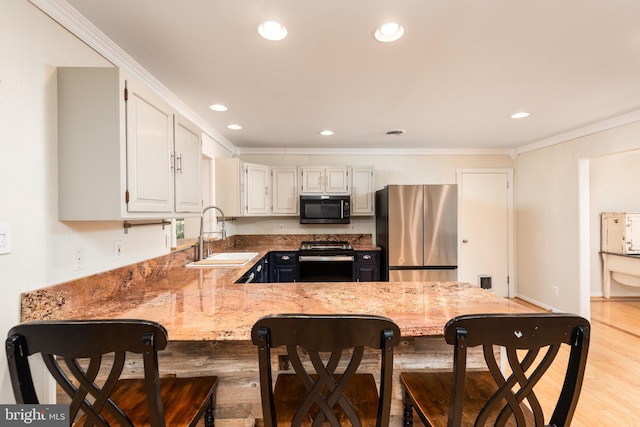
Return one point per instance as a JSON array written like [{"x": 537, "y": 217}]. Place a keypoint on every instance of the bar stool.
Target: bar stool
[
  {"x": 317, "y": 392},
  {"x": 74, "y": 352}
]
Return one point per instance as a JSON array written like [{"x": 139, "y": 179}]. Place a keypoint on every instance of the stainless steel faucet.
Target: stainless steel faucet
[{"x": 223, "y": 232}]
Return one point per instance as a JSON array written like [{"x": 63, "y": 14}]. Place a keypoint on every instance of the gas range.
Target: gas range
[
  {"x": 326, "y": 247},
  {"x": 326, "y": 261}
]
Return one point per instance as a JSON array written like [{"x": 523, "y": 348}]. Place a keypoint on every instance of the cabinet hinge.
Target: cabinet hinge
[
  {"x": 126, "y": 196},
  {"x": 507, "y": 280},
  {"x": 126, "y": 93}
]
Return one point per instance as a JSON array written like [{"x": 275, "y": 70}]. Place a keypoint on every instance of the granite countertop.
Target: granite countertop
[{"x": 197, "y": 304}]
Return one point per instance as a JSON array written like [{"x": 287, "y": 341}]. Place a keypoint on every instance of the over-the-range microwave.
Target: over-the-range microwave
[{"x": 325, "y": 209}]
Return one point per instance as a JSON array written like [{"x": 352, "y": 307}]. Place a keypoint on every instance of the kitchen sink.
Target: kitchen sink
[{"x": 225, "y": 259}]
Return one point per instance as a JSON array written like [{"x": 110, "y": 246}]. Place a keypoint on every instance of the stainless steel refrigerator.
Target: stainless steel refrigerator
[{"x": 417, "y": 230}]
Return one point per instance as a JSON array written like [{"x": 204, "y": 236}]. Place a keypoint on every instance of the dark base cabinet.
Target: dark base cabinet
[
  {"x": 284, "y": 267},
  {"x": 367, "y": 266},
  {"x": 257, "y": 274}
]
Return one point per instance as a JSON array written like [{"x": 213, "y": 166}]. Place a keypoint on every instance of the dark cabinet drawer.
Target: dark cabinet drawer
[
  {"x": 285, "y": 258},
  {"x": 367, "y": 256}
]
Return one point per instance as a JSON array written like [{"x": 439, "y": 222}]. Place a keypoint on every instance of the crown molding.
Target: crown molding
[
  {"x": 377, "y": 151},
  {"x": 603, "y": 125},
  {"x": 64, "y": 14}
]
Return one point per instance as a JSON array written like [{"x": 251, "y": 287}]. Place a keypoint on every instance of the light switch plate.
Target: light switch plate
[{"x": 5, "y": 238}]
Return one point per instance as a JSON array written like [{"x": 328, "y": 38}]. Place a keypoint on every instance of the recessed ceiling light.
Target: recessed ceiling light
[
  {"x": 234, "y": 127},
  {"x": 520, "y": 115},
  {"x": 272, "y": 30},
  {"x": 218, "y": 107},
  {"x": 389, "y": 32},
  {"x": 326, "y": 132}
]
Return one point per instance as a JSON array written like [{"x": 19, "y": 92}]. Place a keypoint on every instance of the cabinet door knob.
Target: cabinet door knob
[
  {"x": 286, "y": 258},
  {"x": 465, "y": 241},
  {"x": 366, "y": 257}
]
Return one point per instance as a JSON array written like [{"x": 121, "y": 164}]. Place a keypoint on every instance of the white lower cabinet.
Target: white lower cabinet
[{"x": 123, "y": 153}]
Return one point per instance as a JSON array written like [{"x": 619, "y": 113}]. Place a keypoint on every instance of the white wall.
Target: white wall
[
  {"x": 31, "y": 47},
  {"x": 613, "y": 188},
  {"x": 548, "y": 182}
]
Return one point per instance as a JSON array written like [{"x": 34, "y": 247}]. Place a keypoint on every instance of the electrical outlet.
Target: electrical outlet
[
  {"x": 117, "y": 249},
  {"x": 78, "y": 259},
  {"x": 556, "y": 291}
]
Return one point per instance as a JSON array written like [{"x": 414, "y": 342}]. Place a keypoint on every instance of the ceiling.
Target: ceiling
[{"x": 461, "y": 69}]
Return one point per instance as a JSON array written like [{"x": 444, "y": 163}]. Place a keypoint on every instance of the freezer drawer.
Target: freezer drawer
[{"x": 423, "y": 275}]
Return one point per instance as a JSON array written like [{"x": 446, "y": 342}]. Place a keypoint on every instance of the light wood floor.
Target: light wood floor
[{"x": 611, "y": 390}]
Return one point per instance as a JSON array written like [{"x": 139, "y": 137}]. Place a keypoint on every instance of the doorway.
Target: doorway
[{"x": 485, "y": 235}]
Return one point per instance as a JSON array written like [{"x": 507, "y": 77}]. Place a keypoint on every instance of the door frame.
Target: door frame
[{"x": 510, "y": 218}]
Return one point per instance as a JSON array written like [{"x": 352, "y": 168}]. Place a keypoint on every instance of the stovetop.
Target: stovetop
[{"x": 325, "y": 245}]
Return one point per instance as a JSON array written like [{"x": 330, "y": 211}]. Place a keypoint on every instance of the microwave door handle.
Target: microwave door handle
[{"x": 341, "y": 209}]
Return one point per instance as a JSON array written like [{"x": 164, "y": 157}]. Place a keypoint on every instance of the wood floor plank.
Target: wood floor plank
[{"x": 611, "y": 389}]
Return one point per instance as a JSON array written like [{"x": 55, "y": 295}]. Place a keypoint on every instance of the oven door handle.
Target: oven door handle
[{"x": 327, "y": 258}]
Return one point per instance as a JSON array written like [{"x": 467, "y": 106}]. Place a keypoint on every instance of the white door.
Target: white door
[{"x": 485, "y": 212}]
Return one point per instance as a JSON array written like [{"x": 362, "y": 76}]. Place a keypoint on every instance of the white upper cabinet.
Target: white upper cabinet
[
  {"x": 248, "y": 189},
  {"x": 258, "y": 181},
  {"x": 119, "y": 150},
  {"x": 187, "y": 163},
  {"x": 230, "y": 186},
  {"x": 324, "y": 180},
  {"x": 242, "y": 189},
  {"x": 362, "y": 194},
  {"x": 149, "y": 150},
  {"x": 284, "y": 188}
]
